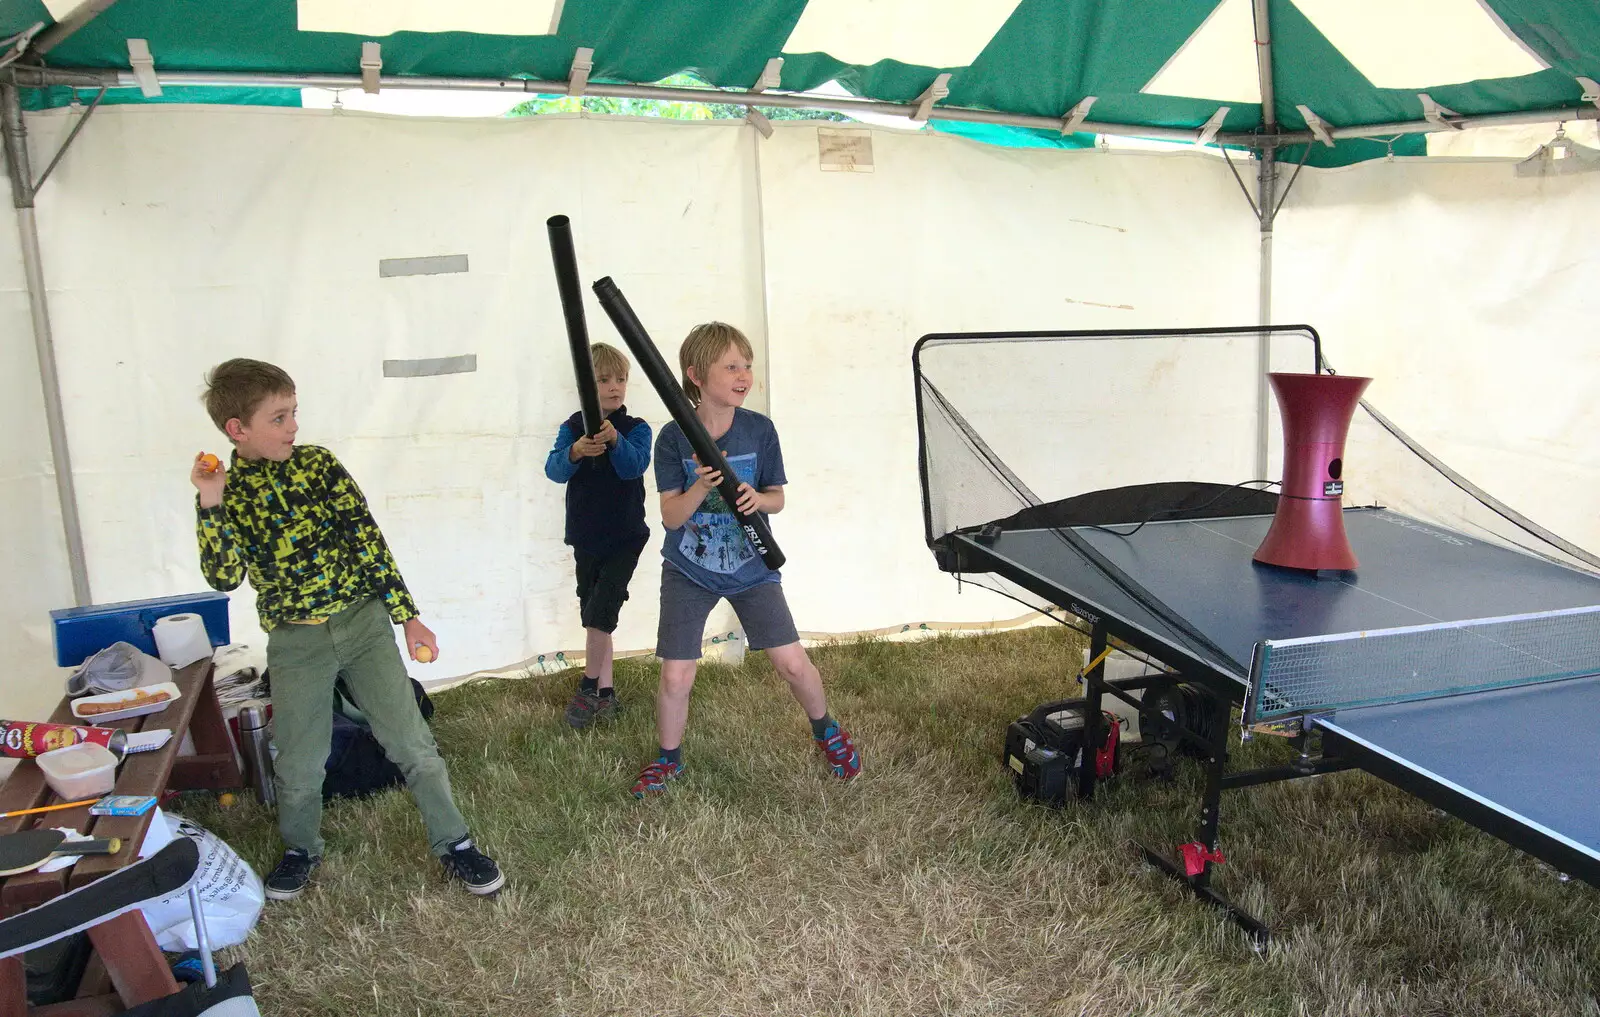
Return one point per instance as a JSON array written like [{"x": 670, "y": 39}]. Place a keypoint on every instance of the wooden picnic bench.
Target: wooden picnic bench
[{"x": 127, "y": 967}]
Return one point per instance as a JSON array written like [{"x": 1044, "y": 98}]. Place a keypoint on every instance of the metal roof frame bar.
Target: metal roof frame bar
[{"x": 33, "y": 76}]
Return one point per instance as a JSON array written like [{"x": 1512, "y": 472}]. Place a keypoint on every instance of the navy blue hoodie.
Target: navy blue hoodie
[{"x": 605, "y": 494}]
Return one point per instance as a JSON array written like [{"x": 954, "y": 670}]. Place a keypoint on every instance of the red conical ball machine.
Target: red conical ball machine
[{"x": 1308, "y": 530}]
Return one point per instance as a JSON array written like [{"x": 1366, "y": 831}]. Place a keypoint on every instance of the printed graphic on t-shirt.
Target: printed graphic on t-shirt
[{"x": 712, "y": 538}]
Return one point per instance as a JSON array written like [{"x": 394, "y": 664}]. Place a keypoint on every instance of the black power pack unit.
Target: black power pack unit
[{"x": 1045, "y": 748}]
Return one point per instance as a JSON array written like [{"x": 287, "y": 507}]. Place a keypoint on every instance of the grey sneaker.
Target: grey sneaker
[
  {"x": 289, "y": 879},
  {"x": 586, "y": 709}
]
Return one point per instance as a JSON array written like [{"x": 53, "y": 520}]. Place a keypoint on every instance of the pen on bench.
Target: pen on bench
[{"x": 48, "y": 808}]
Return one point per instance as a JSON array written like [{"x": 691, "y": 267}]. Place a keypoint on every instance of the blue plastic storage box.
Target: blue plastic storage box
[{"x": 82, "y": 632}]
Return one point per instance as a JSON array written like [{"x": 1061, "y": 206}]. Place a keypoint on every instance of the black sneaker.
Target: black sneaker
[
  {"x": 586, "y": 709},
  {"x": 474, "y": 868},
  {"x": 289, "y": 879}
]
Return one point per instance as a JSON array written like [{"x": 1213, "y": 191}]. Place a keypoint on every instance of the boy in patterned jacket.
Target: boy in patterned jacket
[{"x": 291, "y": 519}]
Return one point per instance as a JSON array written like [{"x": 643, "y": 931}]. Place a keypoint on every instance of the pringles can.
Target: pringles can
[{"x": 24, "y": 739}]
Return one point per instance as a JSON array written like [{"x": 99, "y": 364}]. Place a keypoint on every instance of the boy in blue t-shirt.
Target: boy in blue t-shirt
[
  {"x": 605, "y": 523},
  {"x": 706, "y": 556}
]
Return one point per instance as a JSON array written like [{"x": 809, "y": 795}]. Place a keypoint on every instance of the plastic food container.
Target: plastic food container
[{"x": 79, "y": 771}]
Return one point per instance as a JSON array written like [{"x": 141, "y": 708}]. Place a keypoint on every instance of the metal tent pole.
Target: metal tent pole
[
  {"x": 1265, "y": 209},
  {"x": 1266, "y": 181},
  {"x": 22, "y": 195},
  {"x": 68, "y": 24}
]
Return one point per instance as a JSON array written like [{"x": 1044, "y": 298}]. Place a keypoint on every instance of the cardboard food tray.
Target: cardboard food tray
[{"x": 127, "y": 695}]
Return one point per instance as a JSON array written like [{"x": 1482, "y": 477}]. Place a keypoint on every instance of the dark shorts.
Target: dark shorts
[
  {"x": 603, "y": 585},
  {"x": 763, "y": 612}
]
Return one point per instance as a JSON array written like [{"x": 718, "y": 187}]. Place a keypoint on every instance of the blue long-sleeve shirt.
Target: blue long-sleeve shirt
[{"x": 605, "y": 494}]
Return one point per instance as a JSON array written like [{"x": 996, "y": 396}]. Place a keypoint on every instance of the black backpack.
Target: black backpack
[{"x": 357, "y": 765}]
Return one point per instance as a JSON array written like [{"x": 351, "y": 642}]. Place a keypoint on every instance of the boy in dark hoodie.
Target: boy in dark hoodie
[{"x": 605, "y": 523}]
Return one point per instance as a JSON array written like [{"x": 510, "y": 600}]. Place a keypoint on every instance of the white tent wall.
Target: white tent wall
[
  {"x": 948, "y": 235},
  {"x": 1467, "y": 294},
  {"x": 34, "y": 576},
  {"x": 175, "y": 238}
]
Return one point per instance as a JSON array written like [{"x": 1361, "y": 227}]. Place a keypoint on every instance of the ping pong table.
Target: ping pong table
[{"x": 1462, "y": 672}]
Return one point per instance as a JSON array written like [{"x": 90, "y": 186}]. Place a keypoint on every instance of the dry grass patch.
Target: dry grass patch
[{"x": 758, "y": 885}]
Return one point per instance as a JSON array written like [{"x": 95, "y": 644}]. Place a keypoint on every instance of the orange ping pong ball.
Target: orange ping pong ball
[
  {"x": 423, "y": 653},
  {"x": 209, "y": 462}
]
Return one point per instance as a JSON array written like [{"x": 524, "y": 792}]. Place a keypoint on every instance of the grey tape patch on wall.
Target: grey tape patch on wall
[
  {"x": 467, "y": 363},
  {"x": 440, "y": 264}
]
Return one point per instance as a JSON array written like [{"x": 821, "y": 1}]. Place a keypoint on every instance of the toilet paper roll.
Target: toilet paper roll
[{"x": 181, "y": 639}]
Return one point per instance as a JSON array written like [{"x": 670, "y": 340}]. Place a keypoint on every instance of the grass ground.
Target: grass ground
[{"x": 759, "y": 885}]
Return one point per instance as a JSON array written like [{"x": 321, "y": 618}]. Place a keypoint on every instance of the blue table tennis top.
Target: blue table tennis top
[
  {"x": 1525, "y": 752},
  {"x": 1410, "y": 573}
]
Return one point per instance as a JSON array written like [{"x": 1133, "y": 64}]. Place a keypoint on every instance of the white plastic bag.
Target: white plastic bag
[{"x": 231, "y": 895}]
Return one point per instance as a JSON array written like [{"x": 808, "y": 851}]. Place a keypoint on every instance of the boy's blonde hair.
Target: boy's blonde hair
[
  {"x": 609, "y": 360},
  {"x": 703, "y": 347},
  {"x": 237, "y": 387}
]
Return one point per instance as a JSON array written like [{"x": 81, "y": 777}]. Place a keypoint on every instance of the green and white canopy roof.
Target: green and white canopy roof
[{"x": 1349, "y": 70}]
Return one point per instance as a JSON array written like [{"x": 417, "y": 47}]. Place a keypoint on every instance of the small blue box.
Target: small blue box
[{"x": 82, "y": 632}]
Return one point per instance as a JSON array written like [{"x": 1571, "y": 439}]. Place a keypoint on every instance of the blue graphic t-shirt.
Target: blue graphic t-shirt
[{"x": 710, "y": 548}]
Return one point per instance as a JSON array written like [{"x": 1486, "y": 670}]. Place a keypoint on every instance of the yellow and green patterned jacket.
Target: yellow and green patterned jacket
[{"x": 301, "y": 531}]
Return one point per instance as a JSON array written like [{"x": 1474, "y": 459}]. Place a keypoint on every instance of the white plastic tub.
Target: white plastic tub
[{"x": 84, "y": 770}]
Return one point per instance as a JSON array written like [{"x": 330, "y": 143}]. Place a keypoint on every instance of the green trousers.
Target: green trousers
[{"x": 304, "y": 661}]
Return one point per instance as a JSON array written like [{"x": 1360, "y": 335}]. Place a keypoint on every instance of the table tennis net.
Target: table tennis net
[
  {"x": 1055, "y": 429},
  {"x": 1322, "y": 673}
]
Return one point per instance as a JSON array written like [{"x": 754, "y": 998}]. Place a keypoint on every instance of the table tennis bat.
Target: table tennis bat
[{"x": 26, "y": 850}]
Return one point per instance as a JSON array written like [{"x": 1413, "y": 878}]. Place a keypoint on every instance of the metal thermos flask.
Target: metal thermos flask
[{"x": 254, "y": 739}]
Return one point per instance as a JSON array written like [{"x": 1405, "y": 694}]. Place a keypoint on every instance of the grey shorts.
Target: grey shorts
[{"x": 685, "y": 606}]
